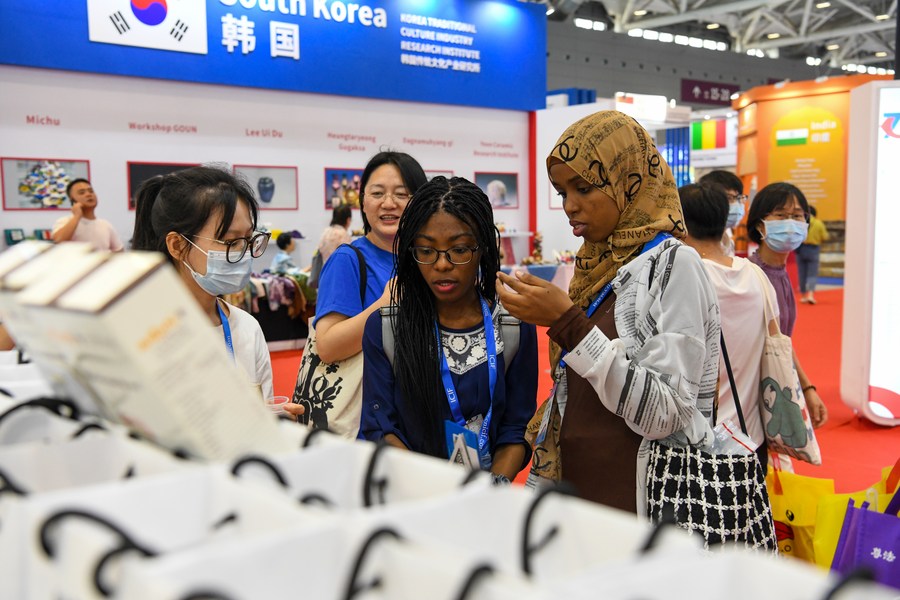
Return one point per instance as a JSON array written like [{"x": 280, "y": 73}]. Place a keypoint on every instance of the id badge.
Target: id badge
[{"x": 462, "y": 445}]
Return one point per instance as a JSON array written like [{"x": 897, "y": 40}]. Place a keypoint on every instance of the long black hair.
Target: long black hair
[
  {"x": 410, "y": 172},
  {"x": 417, "y": 366},
  {"x": 183, "y": 202}
]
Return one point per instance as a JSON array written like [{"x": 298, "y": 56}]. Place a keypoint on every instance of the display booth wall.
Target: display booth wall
[
  {"x": 798, "y": 132},
  {"x": 302, "y": 142}
]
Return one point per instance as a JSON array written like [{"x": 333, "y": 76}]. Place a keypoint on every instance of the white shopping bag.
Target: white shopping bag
[
  {"x": 350, "y": 558},
  {"x": 96, "y": 456},
  {"x": 68, "y": 543},
  {"x": 547, "y": 535},
  {"x": 38, "y": 420},
  {"x": 357, "y": 474},
  {"x": 733, "y": 573}
]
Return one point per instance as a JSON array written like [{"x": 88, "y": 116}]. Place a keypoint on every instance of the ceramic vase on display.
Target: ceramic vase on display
[{"x": 266, "y": 188}]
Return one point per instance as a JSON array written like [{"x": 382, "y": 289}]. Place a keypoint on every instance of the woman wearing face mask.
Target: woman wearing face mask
[
  {"x": 387, "y": 183},
  {"x": 204, "y": 220},
  {"x": 778, "y": 221}
]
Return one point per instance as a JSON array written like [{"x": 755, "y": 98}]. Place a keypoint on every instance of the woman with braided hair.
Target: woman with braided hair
[
  {"x": 440, "y": 363},
  {"x": 635, "y": 341}
]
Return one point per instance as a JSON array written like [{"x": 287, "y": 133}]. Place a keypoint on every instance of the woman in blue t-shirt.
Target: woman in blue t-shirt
[
  {"x": 448, "y": 374},
  {"x": 387, "y": 183}
]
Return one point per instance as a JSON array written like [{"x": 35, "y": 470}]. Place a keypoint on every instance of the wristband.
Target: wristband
[{"x": 809, "y": 387}]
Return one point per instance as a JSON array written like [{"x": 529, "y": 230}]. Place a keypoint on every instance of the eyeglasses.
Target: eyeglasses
[
  {"x": 457, "y": 255},
  {"x": 236, "y": 248},
  {"x": 783, "y": 216},
  {"x": 398, "y": 196},
  {"x": 737, "y": 197}
]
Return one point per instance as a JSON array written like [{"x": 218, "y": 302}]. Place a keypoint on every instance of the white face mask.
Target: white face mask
[{"x": 222, "y": 277}]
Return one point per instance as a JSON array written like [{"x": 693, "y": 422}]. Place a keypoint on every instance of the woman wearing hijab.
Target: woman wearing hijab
[{"x": 638, "y": 331}]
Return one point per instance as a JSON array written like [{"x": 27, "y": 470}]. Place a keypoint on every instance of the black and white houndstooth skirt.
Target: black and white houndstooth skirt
[{"x": 723, "y": 497}]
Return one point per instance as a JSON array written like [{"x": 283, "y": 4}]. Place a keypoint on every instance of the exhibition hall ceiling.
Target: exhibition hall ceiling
[{"x": 834, "y": 34}]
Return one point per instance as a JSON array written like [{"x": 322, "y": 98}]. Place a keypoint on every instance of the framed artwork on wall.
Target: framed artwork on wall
[
  {"x": 276, "y": 187},
  {"x": 39, "y": 183},
  {"x": 139, "y": 172},
  {"x": 342, "y": 187},
  {"x": 432, "y": 174},
  {"x": 501, "y": 188}
]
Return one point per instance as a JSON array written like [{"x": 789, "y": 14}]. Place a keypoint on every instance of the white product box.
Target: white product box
[{"x": 136, "y": 336}]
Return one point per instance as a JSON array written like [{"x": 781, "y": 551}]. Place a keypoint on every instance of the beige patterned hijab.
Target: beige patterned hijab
[{"x": 611, "y": 151}]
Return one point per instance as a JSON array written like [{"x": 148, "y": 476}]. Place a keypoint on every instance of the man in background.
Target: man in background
[
  {"x": 83, "y": 225},
  {"x": 808, "y": 257},
  {"x": 734, "y": 189}
]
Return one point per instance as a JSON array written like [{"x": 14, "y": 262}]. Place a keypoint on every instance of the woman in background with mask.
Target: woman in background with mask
[
  {"x": 778, "y": 221},
  {"x": 204, "y": 220}
]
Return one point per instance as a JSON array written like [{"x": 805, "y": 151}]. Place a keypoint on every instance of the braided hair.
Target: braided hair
[{"x": 417, "y": 366}]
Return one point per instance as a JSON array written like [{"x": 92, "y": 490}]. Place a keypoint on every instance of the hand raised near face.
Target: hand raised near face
[{"x": 532, "y": 299}]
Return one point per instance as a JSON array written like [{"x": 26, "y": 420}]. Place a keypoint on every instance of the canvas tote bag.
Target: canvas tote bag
[
  {"x": 785, "y": 418},
  {"x": 332, "y": 392}
]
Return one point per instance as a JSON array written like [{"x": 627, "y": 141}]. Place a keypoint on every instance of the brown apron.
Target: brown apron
[{"x": 598, "y": 452}]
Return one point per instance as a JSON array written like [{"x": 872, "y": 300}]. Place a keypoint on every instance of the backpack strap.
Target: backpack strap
[
  {"x": 363, "y": 273},
  {"x": 509, "y": 333},
  {"x": 387, "y": 331}
]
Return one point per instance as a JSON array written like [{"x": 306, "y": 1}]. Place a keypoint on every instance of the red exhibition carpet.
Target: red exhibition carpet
[{"x": 853, "y": 450}]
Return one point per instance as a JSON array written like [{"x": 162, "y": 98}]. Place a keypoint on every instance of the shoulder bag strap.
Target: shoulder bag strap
[
  {"x": 387, "y": 332},
  {"x": 734, "y": 392},
  {"x": 363, "y": 274}
]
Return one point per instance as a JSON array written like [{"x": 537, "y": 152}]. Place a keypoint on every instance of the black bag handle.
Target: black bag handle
[
  {"x": 307, "y": 442},
  {"x": 477, "y": 574},
  {"x": 128, "y": 544},
  {"x": 734, "y": 392},
  {"x": 529, "y": 549},
  {"x": 59, "y": 406},
  {"x": 857, "y": 575},
  {"x": 370, "y": 482},
  {"x": 255, "y": 459},
  {"x": 353, "y": 589},
  {"x": 88, "y": 427},
  {"x": 8, "y": 486},
  {"x": 667, "y": 521}
]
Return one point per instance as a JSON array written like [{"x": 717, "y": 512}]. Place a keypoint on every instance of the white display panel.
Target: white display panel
[
  {"x": 884, "y": 374},
  {"x": 870, "y": 376}
]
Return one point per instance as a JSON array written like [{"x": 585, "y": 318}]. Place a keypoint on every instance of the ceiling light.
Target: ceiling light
[
  {"x": 773, "y": 36},
  {"x": 735, "y": 95},
  {"x": 636, "y": 33},
  {"x": 681, "y": 40},
  {"x": 650, "y": 34},
  {"x": 666, "y": 38},
  {"x": 882, "y": 71},
  {"x": 823, "y": 4},
  {"x": 695, "y": 42},
  {"x": 550, "y": 11},
  {"x": 712, "y": 26},
  {"x": 880, "y": 54},
  {"x": 640, "y": 13},
  {"x": 599, "y": 26},
  {"x": 584, "y": 23},
  {"x": 872, "y": 70},
  {"x": 832, "y": 46},
  {"x": 890, "y": 71},
  {"x": 721, "y": 46},
  {"x": 707, "y": 117},
  {"x": 882, "y": 17}
]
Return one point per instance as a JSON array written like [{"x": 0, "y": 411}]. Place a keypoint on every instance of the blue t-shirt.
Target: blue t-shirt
[
  {"x": 339, "y": 281},
  {"x": 514, "y": 395}
]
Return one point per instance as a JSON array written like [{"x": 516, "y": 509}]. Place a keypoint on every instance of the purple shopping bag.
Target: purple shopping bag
[{"x": 871, "y": 539}]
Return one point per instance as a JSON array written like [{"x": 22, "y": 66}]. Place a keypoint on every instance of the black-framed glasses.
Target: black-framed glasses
[
  {"x": 236, "y": 248},
  {"x": 457, "y": 255},
  {"x": 733, "y": 197}
]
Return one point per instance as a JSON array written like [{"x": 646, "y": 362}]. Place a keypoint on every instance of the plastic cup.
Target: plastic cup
[{"x": 276, "y": 404}]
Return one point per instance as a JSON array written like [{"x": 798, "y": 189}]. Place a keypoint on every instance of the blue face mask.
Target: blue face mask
[
  {"x": 785, "y": 235},
  {"x": 222, "y": 277},
  {"x": 735, "y": 214}
]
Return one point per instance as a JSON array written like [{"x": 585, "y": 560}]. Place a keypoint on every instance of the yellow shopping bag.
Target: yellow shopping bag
[
  {"x": 832, "y": 510},
  {"x": 795, "y": 501}
]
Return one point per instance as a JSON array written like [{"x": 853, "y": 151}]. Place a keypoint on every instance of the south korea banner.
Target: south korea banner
[{"x": 176, "y": 25}]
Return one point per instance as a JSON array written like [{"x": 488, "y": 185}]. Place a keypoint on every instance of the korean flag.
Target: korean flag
[{"x": 176, "y": 25}]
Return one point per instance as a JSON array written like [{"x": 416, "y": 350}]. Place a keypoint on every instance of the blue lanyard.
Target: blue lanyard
[
  {"x": 226, "y": 329},
  {"x": 601, "y": 296},
  {"x": 450, "y": 389}
]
